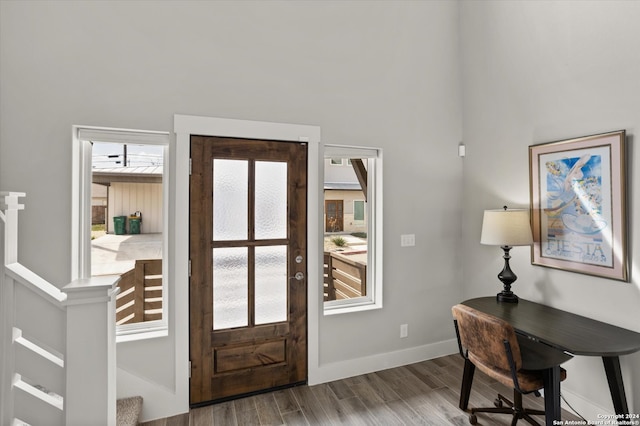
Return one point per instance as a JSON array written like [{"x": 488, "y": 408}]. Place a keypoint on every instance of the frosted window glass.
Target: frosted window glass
[
  {"x": 271, "y": 200},
  {"x": 271, "y": 284},
  {"x": 230, "y": 287},
  {"x": 230, "y": 199}
]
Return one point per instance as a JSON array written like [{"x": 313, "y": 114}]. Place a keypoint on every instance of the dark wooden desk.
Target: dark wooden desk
[{"x": 568, "y": 332}]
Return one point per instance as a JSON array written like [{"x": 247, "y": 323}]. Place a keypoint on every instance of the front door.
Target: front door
[
  {"x": 334, "y": 212},
  {"x": 248, "y": 266}
]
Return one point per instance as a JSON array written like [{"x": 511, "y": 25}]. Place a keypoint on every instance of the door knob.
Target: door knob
[{"x": 298, "y": 276}]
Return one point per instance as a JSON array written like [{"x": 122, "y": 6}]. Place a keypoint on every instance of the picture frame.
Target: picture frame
[{"x": 578, "y": 205}]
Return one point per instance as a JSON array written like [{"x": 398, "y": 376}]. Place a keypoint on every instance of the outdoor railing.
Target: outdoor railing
[
  {"x": 140, "y": 297},
  {"x": 344, "y": 278}
]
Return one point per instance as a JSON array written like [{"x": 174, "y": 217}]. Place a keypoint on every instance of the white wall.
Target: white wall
[
  {"x": 339, "y": 173},
  {"x": 381, "y": 74},
  {"x": 538, "y": 72}
]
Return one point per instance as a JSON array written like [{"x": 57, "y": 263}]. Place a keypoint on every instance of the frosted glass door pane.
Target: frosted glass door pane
[
  {"x": 230, "y": 199},
  {"x": 271, "y": 284},
  {"x": 230, "y": 287},
  {"x": 271, "y": 200}
]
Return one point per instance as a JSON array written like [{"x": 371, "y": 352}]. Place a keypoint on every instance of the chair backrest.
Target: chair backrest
[{"x": 484, "y": 336}]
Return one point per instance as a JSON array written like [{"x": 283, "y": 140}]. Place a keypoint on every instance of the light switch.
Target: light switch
[
  {"x": 408, "y": 240},
  {"x": 404, "y": 330}
]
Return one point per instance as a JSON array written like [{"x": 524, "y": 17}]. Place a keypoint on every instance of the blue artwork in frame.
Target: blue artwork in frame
[{"x": 578, "y": 205}]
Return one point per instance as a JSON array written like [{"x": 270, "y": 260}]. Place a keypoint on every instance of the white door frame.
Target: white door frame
[{"x": 184, "y": 127}]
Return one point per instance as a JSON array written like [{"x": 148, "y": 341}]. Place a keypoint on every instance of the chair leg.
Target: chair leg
[
  {"x": 498, "y": 407},
  {"x": 506, "y": 400},
  {"x": 523, "y": 413},
  {"x": 514, "y": 408}
]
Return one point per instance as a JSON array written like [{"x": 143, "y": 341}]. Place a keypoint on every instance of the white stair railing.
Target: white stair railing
[{"x": 50, "y": 374}]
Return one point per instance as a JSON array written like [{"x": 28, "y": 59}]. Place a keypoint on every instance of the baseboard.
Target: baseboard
[
  {"x": 584, "y": 407},
  {"x": 353, "y": 367}
]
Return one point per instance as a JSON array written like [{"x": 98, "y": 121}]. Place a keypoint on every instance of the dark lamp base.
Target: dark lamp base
[
  {"x": 507, "y": 277},
  {"x": 507, "y": 297}
]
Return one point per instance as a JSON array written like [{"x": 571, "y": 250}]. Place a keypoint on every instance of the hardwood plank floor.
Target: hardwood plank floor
[{"x": 425, "y": 393}]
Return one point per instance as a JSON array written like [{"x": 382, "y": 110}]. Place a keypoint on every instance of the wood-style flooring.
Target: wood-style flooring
[{"x": 425, "y": 393}]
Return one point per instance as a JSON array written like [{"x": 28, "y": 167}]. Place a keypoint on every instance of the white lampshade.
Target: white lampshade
[{"x": 502, "y": 227}]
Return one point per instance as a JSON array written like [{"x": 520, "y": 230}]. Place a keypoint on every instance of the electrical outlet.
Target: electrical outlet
[{"x": 404, "y": 330}]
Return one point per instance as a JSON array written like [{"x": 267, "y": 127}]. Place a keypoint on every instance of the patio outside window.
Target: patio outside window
[
  {"x": 122, "y": 221},
  {"x": 352, "y": 229}
]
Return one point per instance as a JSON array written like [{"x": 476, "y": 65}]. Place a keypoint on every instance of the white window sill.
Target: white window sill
[
  {"x": 345, "y": 309},
  {"x": 131, "y": 335}
]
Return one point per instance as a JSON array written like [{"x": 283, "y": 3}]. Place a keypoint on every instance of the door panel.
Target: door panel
[
  {"x": 334, "y": 211},
  {"x": 247, "y": 246}
]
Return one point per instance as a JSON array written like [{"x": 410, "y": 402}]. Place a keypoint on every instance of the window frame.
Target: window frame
[
  {"x": 373, "y": 213},
  {"x": 81, "y": 214}
]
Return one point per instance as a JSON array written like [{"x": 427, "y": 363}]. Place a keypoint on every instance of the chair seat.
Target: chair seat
[{"x": 529, "y": 380}]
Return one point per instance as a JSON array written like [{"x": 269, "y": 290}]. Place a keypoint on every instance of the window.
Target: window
[
  {"x": 120, "y": 220},
  {"x": 352, "y": 242},
  {"x": 340, "y": 161},
  {"x": 358, "y": 210}
]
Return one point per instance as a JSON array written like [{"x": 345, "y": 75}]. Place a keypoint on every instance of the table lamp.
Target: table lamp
[{"x": 506, "y": 228}]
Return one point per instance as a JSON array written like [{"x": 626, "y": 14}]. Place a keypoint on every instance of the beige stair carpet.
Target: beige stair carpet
[{"x": 128, "y": 411}]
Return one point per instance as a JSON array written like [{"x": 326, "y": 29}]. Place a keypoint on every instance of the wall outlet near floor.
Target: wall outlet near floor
[{"x": 404, "y": 330}]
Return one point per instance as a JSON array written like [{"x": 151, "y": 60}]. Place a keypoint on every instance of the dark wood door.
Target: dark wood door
[
  {"x": 248, "y": 300},
  {"x": 334, "y": 212}
]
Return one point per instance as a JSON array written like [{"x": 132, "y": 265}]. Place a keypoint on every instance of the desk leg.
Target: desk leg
[
  {"x": 616, "y": 385},
  {"x": 552, "y": 409},
  {"x": 467, "y": 381}
]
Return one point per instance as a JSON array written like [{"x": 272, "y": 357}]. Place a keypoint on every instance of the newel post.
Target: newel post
[
  {"x": 9, "y": 207},
  {"x": 91, "y": 351}
]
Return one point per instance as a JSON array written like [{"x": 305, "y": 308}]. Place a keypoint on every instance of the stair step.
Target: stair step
[
  {"x": 18, "y": 422},
  {"x": 128, "y": 411}
]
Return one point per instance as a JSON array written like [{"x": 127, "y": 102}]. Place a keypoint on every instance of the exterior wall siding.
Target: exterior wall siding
[
  {"x": 348, "y": 197},
  {"x": 128, "y": 198}
]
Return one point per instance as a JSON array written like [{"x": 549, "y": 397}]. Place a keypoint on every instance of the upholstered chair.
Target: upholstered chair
[{"x": 492, "y": 346}]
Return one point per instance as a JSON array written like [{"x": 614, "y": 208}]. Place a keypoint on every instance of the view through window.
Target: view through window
[
  {"x": 127, "y": 225},
  {"x": 352, "y": 221}
]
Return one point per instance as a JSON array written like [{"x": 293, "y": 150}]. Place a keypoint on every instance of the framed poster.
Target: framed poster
[{"x": 578, "y": 205}]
